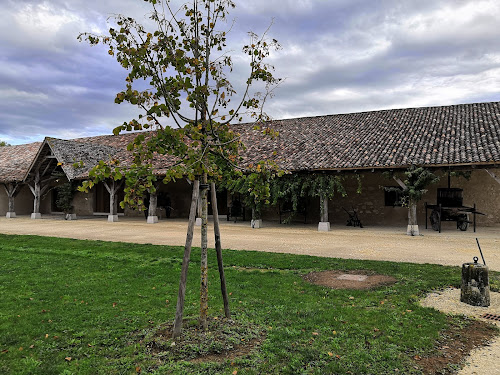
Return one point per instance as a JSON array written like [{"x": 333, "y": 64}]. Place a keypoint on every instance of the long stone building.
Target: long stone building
[{"x": 444, "y": 139}]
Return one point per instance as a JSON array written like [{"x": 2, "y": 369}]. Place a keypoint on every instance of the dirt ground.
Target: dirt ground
[{"x": 450, "y": 247}]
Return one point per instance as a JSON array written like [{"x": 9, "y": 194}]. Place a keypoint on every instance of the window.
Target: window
[{"x": 393, "y": 197}]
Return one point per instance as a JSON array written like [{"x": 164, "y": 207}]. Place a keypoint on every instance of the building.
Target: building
[{"x": 445, "y": 139}]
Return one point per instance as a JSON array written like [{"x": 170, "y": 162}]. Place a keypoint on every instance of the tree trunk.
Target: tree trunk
[
  {"x": 204, "y": 254},
  {"x": 185, "y": 261},
  {"x": 153, "y": 204},
  {"x": 412, "y": 229},
  {"x": 256, "y": 222},
  {"x": 324, "y": 224},
  {"x": 218, "y": 249},
  {"x": 323, "y": 208}
]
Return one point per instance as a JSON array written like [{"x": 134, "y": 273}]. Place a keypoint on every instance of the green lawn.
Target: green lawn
[{"x": 82, "y": 307}]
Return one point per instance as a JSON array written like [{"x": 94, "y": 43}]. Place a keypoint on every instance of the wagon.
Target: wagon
[{"x": 450, "y": 207}]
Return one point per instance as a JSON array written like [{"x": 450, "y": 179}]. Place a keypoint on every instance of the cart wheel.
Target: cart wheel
[
  {"x": 434, "y": 218},
  {"x": 462, "y": 223}
]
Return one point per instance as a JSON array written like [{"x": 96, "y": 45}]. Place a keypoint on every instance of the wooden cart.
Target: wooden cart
[{"x": 450, "y": 207}]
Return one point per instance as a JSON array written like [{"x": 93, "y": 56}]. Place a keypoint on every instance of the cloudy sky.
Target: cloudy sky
[{"x": 338, "y": 56}]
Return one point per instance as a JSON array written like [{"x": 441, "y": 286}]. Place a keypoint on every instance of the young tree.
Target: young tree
[
  {"x": 417, "y": 179},
  {"x": 184, "y": 64}
]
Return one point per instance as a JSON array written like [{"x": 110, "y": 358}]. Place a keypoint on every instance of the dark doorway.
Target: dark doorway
[
  {"x": 101, "y": 199},
  {"x": 221, "y": 203}
]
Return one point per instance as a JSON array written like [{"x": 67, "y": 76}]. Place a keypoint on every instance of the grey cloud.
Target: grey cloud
[{"x": 338, "y": 56}]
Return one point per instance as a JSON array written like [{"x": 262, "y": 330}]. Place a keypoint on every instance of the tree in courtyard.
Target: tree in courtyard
[
  {"x": 254, "y": 187},
  {"x": 186, "y": 69},
  {"x": 294, "y": 188},
  {"x": 412, "y": 189}
]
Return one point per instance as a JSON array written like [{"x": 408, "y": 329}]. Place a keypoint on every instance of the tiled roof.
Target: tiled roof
[
  {"x": 15, "y": 161},
  {"x": 465, "y": 134},
  {"x": 89, "y": 154},
  {"x": 450, "y": 135}
]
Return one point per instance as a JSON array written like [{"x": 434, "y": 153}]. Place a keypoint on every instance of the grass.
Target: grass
[{"x": 88, "y": 307}]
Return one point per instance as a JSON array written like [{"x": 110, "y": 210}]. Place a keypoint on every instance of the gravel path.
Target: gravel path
[
  {"x": 451, "y": 247},
  {"x": 481, "y": 361}
]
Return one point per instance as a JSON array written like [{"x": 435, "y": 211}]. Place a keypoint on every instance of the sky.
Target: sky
[{"x": 338, "y": 56}]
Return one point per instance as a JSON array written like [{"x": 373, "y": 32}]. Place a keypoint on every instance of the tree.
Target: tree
[
  {"x": 183, "y": 61},
  {"x": 3, "y": 143},
  {"x": 65, "y": 194},
  {"x": 295, "y": 187},
  {"x": 414, "y": 186},
  {"x": 255, "y": 187}
]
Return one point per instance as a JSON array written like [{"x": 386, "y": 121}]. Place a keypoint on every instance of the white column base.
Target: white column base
[
  {"x": 70, "y": 217},
  {"x": 324, "y": 226},
  {"x": 152, "y": 219},
  {"x": 10, "y": 215},
  {"x": 37, "y": 215},
  {"x": 112, "y": 218},
  {"x": 198, "y": 222},
  {"x": 414, "y": 229},
  {"x": 256, "y": 224}
]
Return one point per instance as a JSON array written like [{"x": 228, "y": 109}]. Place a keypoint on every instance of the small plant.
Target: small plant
[{"x": 65, "y": 194}]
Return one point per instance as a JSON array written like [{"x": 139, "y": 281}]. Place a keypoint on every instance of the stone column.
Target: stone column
[{"x": 324, "y": 224}]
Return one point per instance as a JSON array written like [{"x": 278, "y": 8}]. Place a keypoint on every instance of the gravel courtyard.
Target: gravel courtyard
[{"x": 450, "y": 247}]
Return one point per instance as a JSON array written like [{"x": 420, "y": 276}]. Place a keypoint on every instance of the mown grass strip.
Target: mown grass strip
[{"x": 76, "y": 307}]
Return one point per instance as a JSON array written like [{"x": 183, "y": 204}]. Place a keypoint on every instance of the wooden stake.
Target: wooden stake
[
  {"x": 185, "y": 261},
  {"x": 218, "y": 249},
  {"x": 204, "y": 255}
]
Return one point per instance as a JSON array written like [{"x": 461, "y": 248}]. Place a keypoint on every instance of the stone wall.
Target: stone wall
[
  {"x": 481, "y": 189},
  {"x": 23, "y": 201}
]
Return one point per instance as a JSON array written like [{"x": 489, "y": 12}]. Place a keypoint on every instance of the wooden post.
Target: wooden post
[
  {"x": 204, "y": 254},
  {"x": 185, "y": 262},
  {"x": 11, "y": 189},
  {"x": 474, "y": 218},
  {"x": 112, "y": 189},
  {"x": 218, "y": 249},
  {"x": 36, "y": 191}
]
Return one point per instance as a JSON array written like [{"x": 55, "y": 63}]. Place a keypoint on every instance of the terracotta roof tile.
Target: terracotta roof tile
[
  {"x": 459, "y": 134},
  {"x": 15, "y": 161},
  {"x": 464, "y": 134}
]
